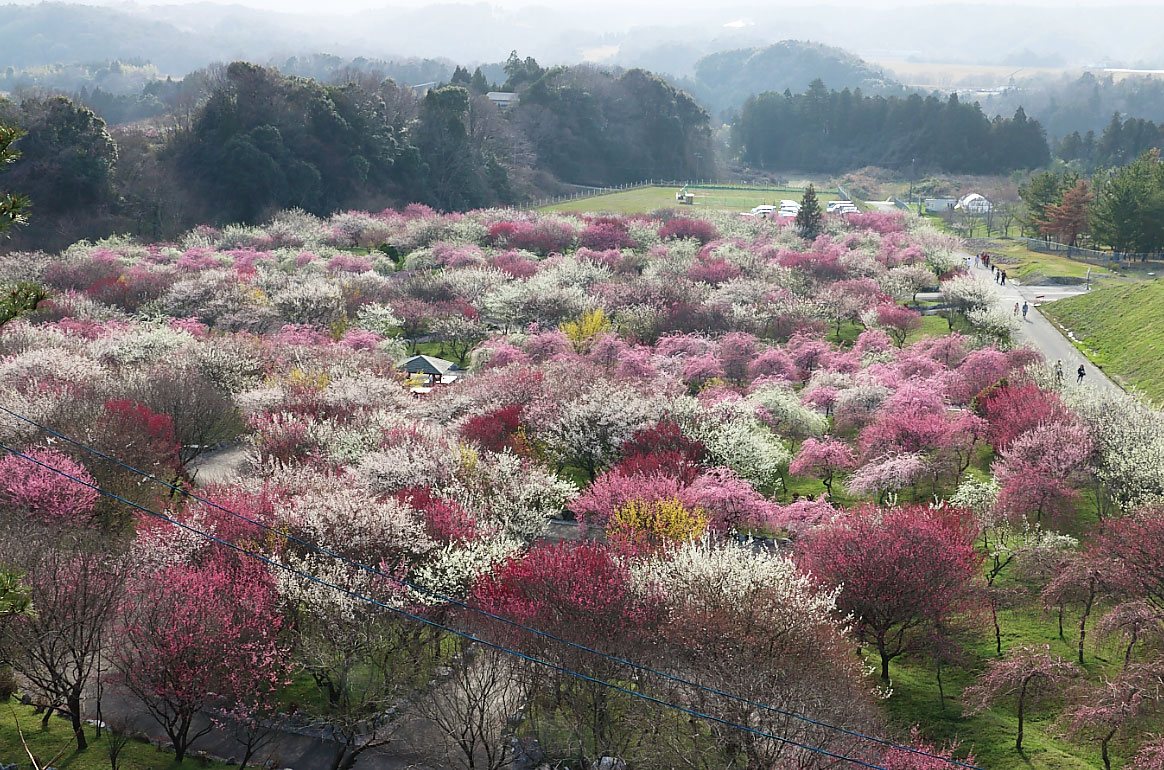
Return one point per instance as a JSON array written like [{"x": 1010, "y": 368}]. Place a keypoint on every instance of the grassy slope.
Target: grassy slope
[
  {"x": 46, "y": 744},
  {"x": 1121, "y": 329},
  {"x": 646, "y": 199},
  {"x": 1029, "y": 266}
]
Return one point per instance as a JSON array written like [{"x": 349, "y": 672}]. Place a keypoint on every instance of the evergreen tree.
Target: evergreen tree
[
  {"x": 18, "y": 299},
  {"x": 14, "y": 598},
  {"x": 1042, "y": 191},
  {"x": 478, "y": 85},
  {"x": 810, "y": 219},
  {"x": 1068, "y": 220},
  {"x": 12, "y": 206},
  {"x": 1129, "y": 212}
]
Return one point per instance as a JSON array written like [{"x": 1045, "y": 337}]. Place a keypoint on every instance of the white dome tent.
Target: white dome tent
[{"x": 973, "y": 204}]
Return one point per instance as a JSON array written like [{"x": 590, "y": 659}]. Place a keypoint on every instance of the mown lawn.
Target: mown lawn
[
  {"x": 991, "y": 733},
  {"x": 1121, "y": 329},
  {"x": 45, "y": 744},
  {"x": 646, "y": 199}
]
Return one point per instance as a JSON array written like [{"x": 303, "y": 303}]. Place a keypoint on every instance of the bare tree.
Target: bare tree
[
  {"x": 366, "y": 662},
  {"x": 1007, "y": 212},
  {"x": 203, "y": 413},
  {"x": 474, "y": 706}
]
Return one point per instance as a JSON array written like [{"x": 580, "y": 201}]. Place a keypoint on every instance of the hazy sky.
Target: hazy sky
[{"x": 666, "y": 8}]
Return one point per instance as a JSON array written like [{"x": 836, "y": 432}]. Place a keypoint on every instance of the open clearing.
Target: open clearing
[{"x": 727, "y": 198}]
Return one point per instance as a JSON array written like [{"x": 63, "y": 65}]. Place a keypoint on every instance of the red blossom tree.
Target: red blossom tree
[
  {"x": 1027, "y": 673},
  {"x": 1013, "y": 409},
  {"x": 663, "y": 449},
  {"x": 683, "y": 227},
  {"x": 900, "y": 571},
  {"x": 497, "y": 430},
  {"x": 898, "y": 321},
  {"x": 191, "y": 634},
  {"x": 581, "y": 592}
]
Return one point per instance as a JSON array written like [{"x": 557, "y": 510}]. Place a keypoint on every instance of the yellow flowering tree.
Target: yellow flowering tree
[
  {"x": 649, "y": 526},
  {"x": 582, "y": 332}
]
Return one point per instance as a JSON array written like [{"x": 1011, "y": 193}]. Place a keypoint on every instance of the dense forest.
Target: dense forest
[
  {"x": 1084, "y": 103},
  {"x": 1122, "y": 141},
  {"x": 831, "y": 131},
  {"x": 236, "y": 143}
]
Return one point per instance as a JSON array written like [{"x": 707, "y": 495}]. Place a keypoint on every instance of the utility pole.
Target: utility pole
[{"x": 912, "y": 163}]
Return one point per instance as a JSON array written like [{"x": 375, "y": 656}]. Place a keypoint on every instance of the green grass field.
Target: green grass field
[
  {"x": 46, "y": 744},
  {"x": 1033, "y": 267},
  {"x": 1121, "y": 329},
  {"x": 646, "y": 199}
]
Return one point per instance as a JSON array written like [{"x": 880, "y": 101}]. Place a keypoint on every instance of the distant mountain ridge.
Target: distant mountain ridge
[{"x": 723, "y": 81}]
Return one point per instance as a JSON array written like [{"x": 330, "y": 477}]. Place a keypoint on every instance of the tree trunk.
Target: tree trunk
[
  {"x": 1103, "y": 749},
  {"x": 997, "y": 628},
  {"x": 884, "y": 665},
  {"x": 74, "y": 706},
  {"x": 941, "y": 689},
  {"x": 1018, "y": 743},
  {"x": 1086, "y": 614}
]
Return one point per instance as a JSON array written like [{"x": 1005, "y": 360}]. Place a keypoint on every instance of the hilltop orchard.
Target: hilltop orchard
[{"x": 670, "y": 383}]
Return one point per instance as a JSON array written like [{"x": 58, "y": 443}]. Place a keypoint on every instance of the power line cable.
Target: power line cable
[
  {"x": 432, "y": 623},
  {"x": 485, "y": 613}
]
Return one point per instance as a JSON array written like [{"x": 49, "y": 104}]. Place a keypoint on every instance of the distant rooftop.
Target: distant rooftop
[{"x": 428, "y": 365}]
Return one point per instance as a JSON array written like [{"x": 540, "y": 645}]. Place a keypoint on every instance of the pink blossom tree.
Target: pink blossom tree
[
  {"x": 934, "y": 757},
  {"x": 1113, "y": 708},
  {"x": 36, "y": 491},
  {"x": 1039, "y": 470},
  {"x": 1028, "y": 673},
  {"x": 823, "y": 459}
]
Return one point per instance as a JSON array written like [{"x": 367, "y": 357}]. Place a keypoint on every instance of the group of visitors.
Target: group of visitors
[{"x": 1080, "y": 373}]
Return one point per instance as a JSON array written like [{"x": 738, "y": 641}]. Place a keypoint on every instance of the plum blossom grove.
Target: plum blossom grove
[{"x": 677, "y": 388}]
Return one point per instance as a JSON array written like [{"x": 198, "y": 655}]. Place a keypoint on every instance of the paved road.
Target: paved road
[{"x": 1041, "y": 334}]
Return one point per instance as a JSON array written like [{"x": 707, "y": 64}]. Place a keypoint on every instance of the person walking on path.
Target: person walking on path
[
  {"x": 1025, "y": 308},
  {"x": 1059, "y": 373},
  {"x": 1016, "y": 306},
  {"x": 1004, "y": 278},
  {"x": 1080, "y": 371}
]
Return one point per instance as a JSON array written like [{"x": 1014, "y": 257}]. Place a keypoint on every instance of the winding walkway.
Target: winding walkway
[{"x": 1042, "y": 335}]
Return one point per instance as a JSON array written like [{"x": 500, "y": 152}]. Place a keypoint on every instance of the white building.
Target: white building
[
  {"x": 502, "y": 99},
  {"x": 973, "y": 204}
]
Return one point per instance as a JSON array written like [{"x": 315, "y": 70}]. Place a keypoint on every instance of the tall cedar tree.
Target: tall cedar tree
[
  {"x": 809, "y": 220},
  {"x": 1068, "y": 220}
]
